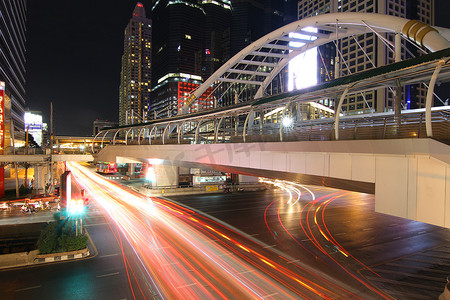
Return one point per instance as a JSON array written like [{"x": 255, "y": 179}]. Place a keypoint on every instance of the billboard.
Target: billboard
[
  {"x": 2, "y": 136},
  {"x": 33, "y": 122},
  {"x": 303, "y": 69}
]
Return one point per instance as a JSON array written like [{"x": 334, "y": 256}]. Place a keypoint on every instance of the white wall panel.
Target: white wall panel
[
  {"x": 340, "y": 165},
  {"x": 279, "y": 161},
  {"x": 297, "y": 162},
  {"x": 266, "y": 161},
  {"x": 391, "y": 185},
  {"x": 363, "y": 168},
  {"x": 431, "y": 179},
  {"x": 315, "y": 164}
]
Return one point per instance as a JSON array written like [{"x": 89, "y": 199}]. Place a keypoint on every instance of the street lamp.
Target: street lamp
[{"x": 287, "y": 121}]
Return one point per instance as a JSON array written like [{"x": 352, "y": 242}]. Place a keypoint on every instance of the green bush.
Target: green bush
[
  {"x": 72, "y": 242},
  {"x": 60, "y": 236},
  {"x": 48, "y": 239}
]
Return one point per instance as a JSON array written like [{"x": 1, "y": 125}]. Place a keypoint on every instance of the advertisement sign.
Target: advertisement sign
[
  {"x": 212, "y": 188},
  {"x": 33, "y": 123},
  {"x": 2, "y": 136}
]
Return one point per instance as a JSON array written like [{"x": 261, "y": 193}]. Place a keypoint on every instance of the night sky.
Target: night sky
[{"x": 74, "y": 51}]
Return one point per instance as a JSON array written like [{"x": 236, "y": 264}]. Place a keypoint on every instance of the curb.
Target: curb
[{"x": 61, "y": 256}]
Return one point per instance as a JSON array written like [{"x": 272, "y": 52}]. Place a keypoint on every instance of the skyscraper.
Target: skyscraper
[
  {"x": 12, "y": 61},
  {"x": 178, "y": 52},
  {"x": 375, "y": 52},
  {"x": 135, "y": 77}
]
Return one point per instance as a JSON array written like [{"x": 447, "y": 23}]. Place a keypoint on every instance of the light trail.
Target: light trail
[
  {"x": 312, "y": 211},
  {"x": 184, "y": 255}
]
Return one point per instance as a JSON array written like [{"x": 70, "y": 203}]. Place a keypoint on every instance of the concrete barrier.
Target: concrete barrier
[
  {"x": 29, "y": 258},
  {"x": 17, "y": 259},
  {"x": 40, "y": 258}
]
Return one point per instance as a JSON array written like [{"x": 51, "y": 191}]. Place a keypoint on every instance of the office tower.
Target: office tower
[
  {"x": 216, "y": 35},
  {"x": 254, "y": 19},
  {"x": 180, "y": 51},
  {"x": 135, "y": 77},
  {"x": 376, "y": 53},
  {"x": 12, "y": 63}
]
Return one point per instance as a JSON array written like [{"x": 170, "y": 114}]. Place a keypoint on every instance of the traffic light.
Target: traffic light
[
  {"x": 75, "y": 207},
  {"x": 86, "y": 202}
]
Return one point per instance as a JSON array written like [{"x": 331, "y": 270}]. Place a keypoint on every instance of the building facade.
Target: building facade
[
  {"x": 135, "y": 76},
  {"x": 178, "y": 53},
  {"x": 12, "y": 64},
  {"x": 353, "y": 59}
]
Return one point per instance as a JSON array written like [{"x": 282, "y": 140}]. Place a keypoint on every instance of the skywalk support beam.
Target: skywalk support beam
[{"x": 429, "y": 99}]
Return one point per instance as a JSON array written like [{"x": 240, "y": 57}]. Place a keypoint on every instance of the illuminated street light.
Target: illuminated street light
[{"x": 287, "y": 121}]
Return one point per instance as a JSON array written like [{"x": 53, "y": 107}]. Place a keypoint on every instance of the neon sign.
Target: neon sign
[{"x": 2, "y": 115}]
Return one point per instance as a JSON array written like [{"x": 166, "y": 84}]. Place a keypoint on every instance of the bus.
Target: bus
[{"x": 106, "y": 168}]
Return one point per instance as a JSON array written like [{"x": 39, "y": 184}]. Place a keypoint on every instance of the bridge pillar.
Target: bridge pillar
[
  {"x": 247, "y": 179},
  {"x": 166, "y": 176},
  {"x": 40, "y": 173}
]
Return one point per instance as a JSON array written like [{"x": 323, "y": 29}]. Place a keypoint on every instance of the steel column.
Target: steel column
[{"x": 429, "y": 100}]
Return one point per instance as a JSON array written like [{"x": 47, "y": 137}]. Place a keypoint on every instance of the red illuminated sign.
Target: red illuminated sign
[
  {"x": 2, "y": 136},
  {"x": 2, "y": 116}
]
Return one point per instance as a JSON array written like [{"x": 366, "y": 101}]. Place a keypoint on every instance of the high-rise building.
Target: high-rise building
[
  {"x": 135, "y": 77},
  {"x": 375, "y": 52},
  {"x": 253, "y": 19},
  {"x": 12, "y": 62},
  {"x": 178, "y": 54},
  {"x": 217, "y": 34}
]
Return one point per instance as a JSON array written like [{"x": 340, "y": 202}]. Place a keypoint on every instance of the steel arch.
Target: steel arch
[{"x": 338, "y": 25}]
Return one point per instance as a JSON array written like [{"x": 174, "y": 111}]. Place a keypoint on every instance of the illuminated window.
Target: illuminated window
[{"x": 187, "y": 36}]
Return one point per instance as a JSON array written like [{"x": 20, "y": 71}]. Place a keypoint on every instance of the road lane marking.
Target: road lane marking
[
  {"x": 255, "y": 234},
  {"x": 271, "y": 246},
  {"x": 305, "y": 240},
  {"x": 106, "y": 275},
  {"x": 108, "y": 255},
  {"x": 342, "y": 233},
  {"x": 29, "y": 288},
  {"x": 397, "y": 237},
  {"x": 366, "y": 229}
]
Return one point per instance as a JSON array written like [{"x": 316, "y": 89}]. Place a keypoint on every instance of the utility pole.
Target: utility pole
[
  {"x": 51, "y": 144},
  {"x": 14, "y": 153}
]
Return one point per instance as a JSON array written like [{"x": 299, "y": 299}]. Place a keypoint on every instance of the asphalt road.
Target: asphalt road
[
  {"x": 404, "y": 258},
  {"x": 410, "y": 257}
]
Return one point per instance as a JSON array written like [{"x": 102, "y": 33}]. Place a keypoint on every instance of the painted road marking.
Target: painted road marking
[
  {"x": 108, "y": 255},
  {"x": 106, "y": 275},
  {"x": 29, "y": 288}
]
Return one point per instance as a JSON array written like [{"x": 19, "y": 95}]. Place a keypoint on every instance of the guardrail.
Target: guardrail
[{"x": 238, "y": 129}]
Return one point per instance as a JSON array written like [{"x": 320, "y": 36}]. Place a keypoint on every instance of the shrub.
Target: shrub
[
  {"x": 72, "y": 242},
  {"x": 48, "y": 239},
  {"x": 60, "y": 236}
]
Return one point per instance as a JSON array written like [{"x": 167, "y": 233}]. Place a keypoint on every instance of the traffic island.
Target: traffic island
[{"x": 52, "y": 257}]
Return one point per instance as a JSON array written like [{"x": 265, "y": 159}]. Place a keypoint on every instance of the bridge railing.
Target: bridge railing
[{"x": 353, "y": 127}]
